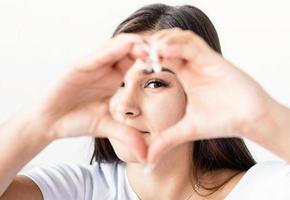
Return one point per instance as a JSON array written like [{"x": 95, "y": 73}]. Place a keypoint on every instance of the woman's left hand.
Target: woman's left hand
[{"x": 221, "y": 99}]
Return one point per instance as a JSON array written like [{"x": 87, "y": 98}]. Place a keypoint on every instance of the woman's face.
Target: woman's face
[{"x": 148, "y": 102}]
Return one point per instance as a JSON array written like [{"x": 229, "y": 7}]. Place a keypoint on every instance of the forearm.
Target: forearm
[
  {"x": 272, "y": 131},
  {"x": 21, "y": 138}
]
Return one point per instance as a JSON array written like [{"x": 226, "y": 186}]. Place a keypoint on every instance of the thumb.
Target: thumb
[
  {"x": 168, "y": 139},
  {"x": 108, "y": 127},
  {"x": 197, "y": 52}
]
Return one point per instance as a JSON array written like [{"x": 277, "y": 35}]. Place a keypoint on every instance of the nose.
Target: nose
[
  {"x": 131, "y": 112},
  {"x": 128, "y": 106}
]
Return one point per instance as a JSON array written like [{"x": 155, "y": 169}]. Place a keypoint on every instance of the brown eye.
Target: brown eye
[
  {"x": 122, "y": 84},
  {"x": 156, "y": 84}
]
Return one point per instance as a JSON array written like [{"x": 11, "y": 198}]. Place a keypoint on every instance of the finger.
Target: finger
[
  {"x": 183, "y": 45},
  {"x": 180, "y": 51},
  {"x": 167, "y": 140},
  {"x": 138, "y": 51},
  {"x": 124, "y": 65},
  {"x": 187, "y": 46},
  {"x": 190, "y": 53},
  {"x": 125, "y": 134},
  {"x": 180, "y": 36},
  {"x": 116, "y": 49},
  {"x": 172, "y": 63},
  {"x": 162, "y": 33}
]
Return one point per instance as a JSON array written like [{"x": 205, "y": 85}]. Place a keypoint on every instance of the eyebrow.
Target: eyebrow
[{"x": 163, "y": 69}]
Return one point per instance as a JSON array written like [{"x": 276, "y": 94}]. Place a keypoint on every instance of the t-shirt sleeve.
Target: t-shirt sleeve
[
  {"x": 65, "y": 181},
  {"x": 276, "y": 179},
  {"x": 285, "y": 181},
  {"x": 273, "y": 181},
  {"x": 266, "y": 180}
]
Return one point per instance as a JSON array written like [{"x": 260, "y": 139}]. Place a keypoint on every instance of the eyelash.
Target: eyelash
[{"x": 163, "y": 83}]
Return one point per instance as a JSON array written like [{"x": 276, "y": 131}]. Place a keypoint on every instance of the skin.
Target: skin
[
  {"x": 153, "y": 102},
  {"x": 214, "y": 85},
  {"x": 147, "y": 102},
  {"x": 79, "y": 104},
  {"x": 76, "y": 105}
]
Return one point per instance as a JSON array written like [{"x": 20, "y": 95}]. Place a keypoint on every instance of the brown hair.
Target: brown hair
[{"x": 208, "y": 155}]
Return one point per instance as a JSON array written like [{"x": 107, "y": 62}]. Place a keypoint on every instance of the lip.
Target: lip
[
  {"x": 144, "y": 132},
  {"x": 141, "y": 130}
]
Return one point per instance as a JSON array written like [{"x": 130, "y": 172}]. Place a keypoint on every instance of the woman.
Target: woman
[{"x": 170, "y": 120}]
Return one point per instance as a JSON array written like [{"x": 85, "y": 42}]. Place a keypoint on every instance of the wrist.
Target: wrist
[
  {"x": 29, "y": 124},
  {"x": 271, "y": 130}
]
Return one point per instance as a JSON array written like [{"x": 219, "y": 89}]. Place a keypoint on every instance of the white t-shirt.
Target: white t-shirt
[{"x": 265, "y": 180}]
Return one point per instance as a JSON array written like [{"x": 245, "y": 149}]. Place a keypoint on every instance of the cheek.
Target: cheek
[{"x": 167, "y": 109}]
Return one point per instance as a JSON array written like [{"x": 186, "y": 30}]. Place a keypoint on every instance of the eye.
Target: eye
[
  {"x": 156, "y": 84},
  {"x": 122, "y": 84}
]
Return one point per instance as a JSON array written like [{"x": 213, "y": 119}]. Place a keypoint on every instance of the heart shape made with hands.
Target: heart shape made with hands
[{"x": 221, "y": 98}]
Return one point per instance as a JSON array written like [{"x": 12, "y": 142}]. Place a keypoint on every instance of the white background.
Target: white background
[{"x": 40, "y": 39}]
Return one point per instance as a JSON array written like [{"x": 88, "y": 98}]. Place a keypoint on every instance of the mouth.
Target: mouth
[{"x": 144, "y": 132}]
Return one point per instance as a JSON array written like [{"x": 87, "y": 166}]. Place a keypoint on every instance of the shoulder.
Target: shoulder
[
  {"x": 71, "y": 170},
  {"x": 268, "y": 174},
  {"x": 270, "y": 170},
  {"x": 265, "y": 180},
  {"x": 81, "y": 180}
]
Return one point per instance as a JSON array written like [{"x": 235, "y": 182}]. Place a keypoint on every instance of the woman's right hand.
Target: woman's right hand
[{"x": 78, "y": 104}]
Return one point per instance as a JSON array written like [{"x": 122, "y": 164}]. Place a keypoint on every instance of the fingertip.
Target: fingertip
[
  {"x": 148, "y": 168},
  {"x": 143, "y": 157},
  {"x": 169, "y": 51},
  {"x": 154, "y": 151},
  {"x": 141, "y": 150},
  {"x": 138, "y": 144},
  {"x": 138, "y": 51}
]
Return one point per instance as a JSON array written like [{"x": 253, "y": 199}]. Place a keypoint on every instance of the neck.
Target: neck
[{"x": 171, "y": 178}]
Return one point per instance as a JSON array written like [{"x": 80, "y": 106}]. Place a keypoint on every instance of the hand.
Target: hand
[
  {"x": 221, "y": 99},
  {"x": 78, "y": 103}
]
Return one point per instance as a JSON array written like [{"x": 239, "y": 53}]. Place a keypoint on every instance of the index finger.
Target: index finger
[{"x": 115, "y": 49}]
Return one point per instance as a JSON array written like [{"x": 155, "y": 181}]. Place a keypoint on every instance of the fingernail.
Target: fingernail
[
  {"x": 148, "y": 168},
  {"x": 156, "y": 68},
  {"x": 143, "y": 45},
  {"x": 143, "y": 161}
]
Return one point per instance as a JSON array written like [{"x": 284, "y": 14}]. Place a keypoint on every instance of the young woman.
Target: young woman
[{"x": 186, "y": 121}]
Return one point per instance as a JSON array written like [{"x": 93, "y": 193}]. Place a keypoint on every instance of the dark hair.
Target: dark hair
[{"x": 208, "y": 155}]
